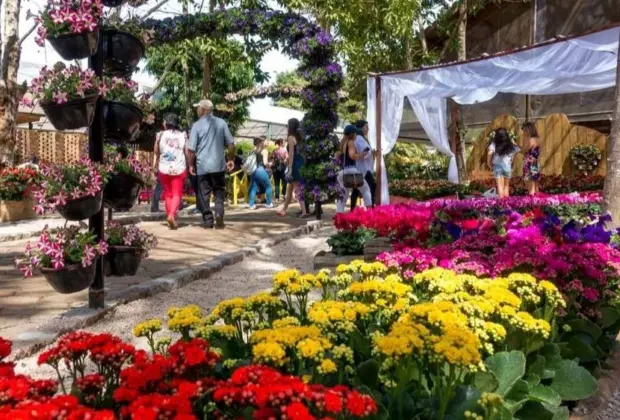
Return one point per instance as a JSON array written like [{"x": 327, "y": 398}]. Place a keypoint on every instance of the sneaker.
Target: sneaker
[
  {"x": 219, "y": 222},
  {"x": 269, "y": 206},
  {"x": 253, "y": 207}
]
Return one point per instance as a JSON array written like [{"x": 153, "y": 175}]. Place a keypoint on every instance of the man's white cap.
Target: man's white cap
[{"x": 204, "y": 103}]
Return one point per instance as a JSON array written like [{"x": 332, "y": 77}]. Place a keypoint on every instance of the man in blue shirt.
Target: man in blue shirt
[
  {"x": 365, "y": 166},
  {"x": 209, "y": 141}
]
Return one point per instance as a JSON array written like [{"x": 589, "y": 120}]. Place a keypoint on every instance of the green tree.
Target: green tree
[{"x": 289, "y": 79}]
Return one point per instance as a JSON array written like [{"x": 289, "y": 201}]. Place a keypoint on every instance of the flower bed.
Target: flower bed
[
  {"x": 15, "y": 200},
  {"x": 436, "y": 345}
]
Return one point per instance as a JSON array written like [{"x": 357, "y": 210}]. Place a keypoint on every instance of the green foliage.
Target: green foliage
[
  {"x": 350, "y": 243},
  {"x": 409, "y": 161},
  {"x": 290, "y": 78}
]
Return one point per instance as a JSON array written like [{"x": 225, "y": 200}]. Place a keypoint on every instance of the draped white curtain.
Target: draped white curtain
[{"x": 581, "y": 64}]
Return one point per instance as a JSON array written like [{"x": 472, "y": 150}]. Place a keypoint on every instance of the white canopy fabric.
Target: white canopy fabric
[{"x": 574, "y": 65}]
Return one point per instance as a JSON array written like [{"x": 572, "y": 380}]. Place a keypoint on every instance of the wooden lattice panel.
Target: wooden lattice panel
[
  {"x": 47, "y": 146},
  {"x": 73, "y": 147},
  {"x": 23, "y": 146}
]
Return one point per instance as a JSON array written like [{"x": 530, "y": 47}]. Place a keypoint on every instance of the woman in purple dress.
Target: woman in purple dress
[{"x": 531, "y": 165}]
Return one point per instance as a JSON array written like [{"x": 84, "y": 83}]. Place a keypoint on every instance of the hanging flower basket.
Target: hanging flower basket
[
  {"x": 121, "y": 121},
  {"x": 122, "y": 52},
  {"x": 72, "y": 279},
  {"x": 113, "y": 3},
  {"x": 71, "y": 115},
  {"x": 121, "y": 192},
  {"x": 75, "y": 46},
  {"x": 122, "y": 261},
  {"x": 82, "y": 208}
]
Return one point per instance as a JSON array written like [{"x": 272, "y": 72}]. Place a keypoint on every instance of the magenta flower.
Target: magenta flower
[{"x": 61, "y": 97}]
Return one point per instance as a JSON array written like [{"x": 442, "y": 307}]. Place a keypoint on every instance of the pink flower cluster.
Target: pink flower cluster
[
  {"x": 61, "y": 248},
  {"x": 584, "y": 272},
  {"x": 129, "y": 235},
  {"x": 61, "y": 84},
  {"x": 64, "y": 183},
  {"x": 68, "y": 17},
  {"x": 119, "y": 89},
  {"x": 402, "y": 219}
]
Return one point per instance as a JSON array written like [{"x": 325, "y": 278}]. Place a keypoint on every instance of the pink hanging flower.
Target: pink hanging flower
[{"x": 61, "y": 97}]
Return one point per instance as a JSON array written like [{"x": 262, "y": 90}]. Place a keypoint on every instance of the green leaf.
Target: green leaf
[
  {"x": 368, "y": 373},
  {"x": 532, "y": 379},
  {"x": 544, "y": 394},
  {"x": 573, "y": 382},
  {"x": 465, "y": 399},
  {"x": 517, "y": 396},
  {"x": 486, "y": 381},
  {"x": 508, "y": 368},
  {"x": 583, "y": 325},
  {"x": 610, "y": 316},
  {"x": 540, "y": 411},
  {"x": 537, "y": 366},
  {"x": 580, "y": 349}
]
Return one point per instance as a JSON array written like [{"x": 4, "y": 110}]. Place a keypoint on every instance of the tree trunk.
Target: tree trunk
[
  {"x": 612, "y": 180},
  {"x": 423, "y": 43},
  {"x": 207, "y": 64},
  {"x": 9, "y": 92},
  {"x": 457, "y": 128},
  {"x": 408, "y": 56},
  {"x": 189, "y": 113}
]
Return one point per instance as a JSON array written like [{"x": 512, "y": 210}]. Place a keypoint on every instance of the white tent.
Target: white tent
[{"x": 561, "y": 66}]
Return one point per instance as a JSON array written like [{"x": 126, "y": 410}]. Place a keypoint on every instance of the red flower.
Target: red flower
[
  {"x": 5, "y": 348},
  {"x": 298, "y": 411}
]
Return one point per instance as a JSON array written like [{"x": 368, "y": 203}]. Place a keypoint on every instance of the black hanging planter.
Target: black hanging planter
[
  {"x": 122, "y": 52},
  {"x": 77, "y": 113},
  {"x": 121, "y": 121},
  {"x": 121, "y": 192},
  {"x": 71, "y": 279},
  {"x": 75, "y": 46},
  {"x": 82, "y": 208},
  {"x": 122, "y": 261},
  {"x": 113, "y": 3}
]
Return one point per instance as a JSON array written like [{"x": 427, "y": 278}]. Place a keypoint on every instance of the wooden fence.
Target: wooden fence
[{"x": 558, "y": 136}]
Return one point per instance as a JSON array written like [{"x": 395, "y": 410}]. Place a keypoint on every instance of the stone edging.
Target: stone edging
[
  {"x": 608, "y": 384},
  {"x": 83, "y": 317}
]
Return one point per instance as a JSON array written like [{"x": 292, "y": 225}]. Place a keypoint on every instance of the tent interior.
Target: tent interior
[{"x": 575, "y": 76}]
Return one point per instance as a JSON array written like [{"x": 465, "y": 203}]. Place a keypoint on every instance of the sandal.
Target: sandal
[{"x": 281, "y": 213}]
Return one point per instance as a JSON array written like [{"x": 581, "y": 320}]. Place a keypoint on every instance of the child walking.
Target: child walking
[{"x": 501, "y": 153}]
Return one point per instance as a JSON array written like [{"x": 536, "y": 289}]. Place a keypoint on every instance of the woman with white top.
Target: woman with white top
[
  {"x": 170, "y": 160},
  {"x": 349, "y": 155}
]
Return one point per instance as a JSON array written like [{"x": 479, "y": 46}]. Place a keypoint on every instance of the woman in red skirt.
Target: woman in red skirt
[{"x": 171, "y": 164}]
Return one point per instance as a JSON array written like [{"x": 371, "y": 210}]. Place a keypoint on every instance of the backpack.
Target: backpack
[{"x": 249, "y": 164}]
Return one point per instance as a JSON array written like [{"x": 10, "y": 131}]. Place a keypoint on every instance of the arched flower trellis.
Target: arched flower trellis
[{"x": 300, "y": 39}]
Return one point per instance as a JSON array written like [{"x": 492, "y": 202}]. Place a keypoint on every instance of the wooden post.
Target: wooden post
[{"x": 378, "y": 123}]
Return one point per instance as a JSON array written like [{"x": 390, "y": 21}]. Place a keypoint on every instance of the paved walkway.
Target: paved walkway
[{"x": 26, "y": 303}]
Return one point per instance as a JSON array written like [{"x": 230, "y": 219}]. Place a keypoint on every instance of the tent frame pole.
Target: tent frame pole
[{"x": 379, "y": 156}]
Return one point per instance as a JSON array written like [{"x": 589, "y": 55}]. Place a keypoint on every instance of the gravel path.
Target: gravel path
[{"x": 250, "y": 276}]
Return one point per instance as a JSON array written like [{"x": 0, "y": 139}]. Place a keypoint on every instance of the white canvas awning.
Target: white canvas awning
[{"x": 580, "y": 64}]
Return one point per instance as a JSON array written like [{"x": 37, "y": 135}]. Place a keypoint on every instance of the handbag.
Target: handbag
[{"x": 353, "y": 180}]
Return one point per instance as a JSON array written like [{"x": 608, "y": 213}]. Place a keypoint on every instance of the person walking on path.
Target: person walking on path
[
  {"x": 280, "y": 162},
  {"x": 349, "y": 155},
  {"x": 209, "y": 140},
  {"x": 531, "y": 164},
  {"x": 293, "y": 170},
  {"x": 260, "y": 177},
  {"x": 365, "y": 166},
  {"x": 172, "y": 165}
]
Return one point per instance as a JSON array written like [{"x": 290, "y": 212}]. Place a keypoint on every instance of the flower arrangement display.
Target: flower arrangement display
[
  {"x": 117, "y": 163},
  {"x": 586, "y": 158},
  {"x": 61, "y": 248},
  {"x": 421, "y": 189},
  {"x": 61, "y": 17},
  {"x": 62, "y": 84},
  {"x": 120, "y": 90},
  {"x": 17, "y": 183},
  {"x": 129, "y": 235},
  {"x": 64, "y": 183},
  {"x": 550, "y": 184}
]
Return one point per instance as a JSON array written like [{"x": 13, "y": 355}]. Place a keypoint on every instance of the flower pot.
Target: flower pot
[
  {"x": 121, "y": 121},
  {"x": 71, "y": 279},
  {"x": 12, "y": 211},
  {"x": 122, "y": 261},
  {"x": 82, "y": 208},
  {"x": 121, "y": 192},
  {"x": 77, "y": 113},
  {"x": 75, "y": 46},
  {"x": 121, "y": 52}
]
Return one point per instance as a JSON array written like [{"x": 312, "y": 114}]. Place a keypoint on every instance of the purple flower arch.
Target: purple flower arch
[{"x": 300, "y": 39}]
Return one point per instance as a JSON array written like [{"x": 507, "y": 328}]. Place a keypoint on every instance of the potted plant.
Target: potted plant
[
  {"x": 71, "y": 27},
  {"x": 129, "y": 245},
  {"x": 121, "y": 114},
  {"x": 124, "y": 43},
  {"x": 75, "y": 190},
  {"x": 15, "y": 200},
  {"x": 586, "y": 158},
  {"x": 127, "y": 176},
  {"x": 66, "y": 257},
  {"x": 67, "y": 95}
]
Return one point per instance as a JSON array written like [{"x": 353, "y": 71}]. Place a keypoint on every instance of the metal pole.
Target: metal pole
[
  {"x": 96, "y": 294},
  {"x": 379, "y": 158}
]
